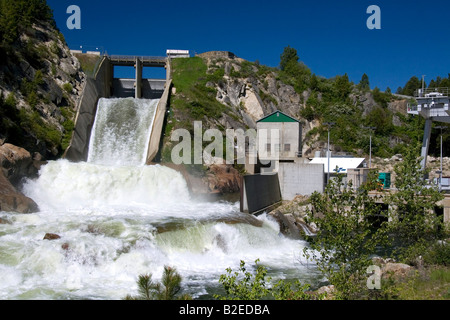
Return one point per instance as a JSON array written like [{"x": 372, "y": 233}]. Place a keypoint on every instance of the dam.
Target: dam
[{"x": 103, "y": 85}]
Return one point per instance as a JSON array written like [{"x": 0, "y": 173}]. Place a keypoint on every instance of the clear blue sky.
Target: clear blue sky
[{"x": 331, "y": 37}]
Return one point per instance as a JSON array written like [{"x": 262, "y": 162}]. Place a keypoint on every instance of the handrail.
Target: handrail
[
  {"x": 429, "y": 92},
  {"x": 130, "y": 58}
]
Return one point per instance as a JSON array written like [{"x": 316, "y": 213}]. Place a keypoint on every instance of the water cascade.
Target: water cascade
[{"x": 118, "y": 218}]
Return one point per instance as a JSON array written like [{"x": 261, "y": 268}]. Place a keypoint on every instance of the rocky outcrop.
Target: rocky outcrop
[
  {"x": 288, "y": 225},
  {"x": 291, "y": 217},
  {"x": 218, "y": 178},
  {"x": 390, "y": 268},
  {"x": 223, "y": 178},
  {"x": 42, "y": 82},
  {"x": 17, "y": 163},
  {"x": 12, "y": 200}
]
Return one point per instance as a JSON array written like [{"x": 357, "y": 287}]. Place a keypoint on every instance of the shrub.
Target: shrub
[
  {"x": 244, "y": 285},
  {"x": 168, "y": 289}
]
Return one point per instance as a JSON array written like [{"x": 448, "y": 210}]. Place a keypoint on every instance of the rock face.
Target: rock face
[{"x": 41, "y": 81}]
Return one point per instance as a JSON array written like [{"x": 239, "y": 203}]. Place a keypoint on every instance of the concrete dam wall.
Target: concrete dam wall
[
  {"x": 151, "y": 88},
  {"x": 95, "y": 88}
]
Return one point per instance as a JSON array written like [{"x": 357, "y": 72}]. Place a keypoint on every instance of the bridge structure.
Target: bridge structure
[
  {"x": 138, "y": 86},
  {"x": 433, "y": 105}
]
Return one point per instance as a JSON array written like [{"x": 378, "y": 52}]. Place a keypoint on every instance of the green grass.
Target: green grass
[
  {"x": 88, "y": 62},
  {"x": 193, "y": 96},
  {"x": 434, "y": 284},
  {"x": 188, "y": 73}
]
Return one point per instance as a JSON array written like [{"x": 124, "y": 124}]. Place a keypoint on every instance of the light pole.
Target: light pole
[
  {"x": 440, "y": 171},
  {"x": 370, "y": 145},
  {"x": 329, "y": 124}
]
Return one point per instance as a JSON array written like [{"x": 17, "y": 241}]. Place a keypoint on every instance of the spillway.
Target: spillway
[{"x": 118, "y": 218}]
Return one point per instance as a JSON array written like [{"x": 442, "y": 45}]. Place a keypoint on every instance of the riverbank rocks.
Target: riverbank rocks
[
  {"x": 396, "y": 270},
  {"x": 288, "y": 225},
  {"x": 17, "y": 163},
  {"x": 12, "y": 200},
  {"x": 328, "y": 292},
  {"x": 390, "y": 268},
  {"x": 223, "y": 178},
  {"x": 291, "y": 216}
]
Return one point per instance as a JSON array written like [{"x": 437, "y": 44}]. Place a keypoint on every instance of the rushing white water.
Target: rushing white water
[
  {"x": 121, "y": 131},
  {"x": 117, "y": 221}
]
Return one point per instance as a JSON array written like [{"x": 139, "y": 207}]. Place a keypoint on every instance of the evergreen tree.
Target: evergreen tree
[
  {"x": 288, "y": 58},
  {"x": 167, "y": 289},
  {"x": 388, "y": 91},
  {"x": 342, "y": 87},
  {"x": 411, "y": 86},
  {"x": 364, "y": 83}
]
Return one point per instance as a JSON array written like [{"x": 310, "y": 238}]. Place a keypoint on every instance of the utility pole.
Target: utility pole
[
  {"x": 329, "y": 124},
  {"x": 423, "y": 86},
  {"x": 370, "y": 145}
]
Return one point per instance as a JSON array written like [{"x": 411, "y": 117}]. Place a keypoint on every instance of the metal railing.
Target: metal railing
[
  {"x": 133, "y": 58},
  {"x": 432, "y": 92}
]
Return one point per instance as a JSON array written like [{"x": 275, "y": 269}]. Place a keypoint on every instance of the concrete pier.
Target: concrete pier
[{"x": 138, "y": 83}]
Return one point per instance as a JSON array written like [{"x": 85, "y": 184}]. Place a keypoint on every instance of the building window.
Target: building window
[
  {"x": 268, "y": 147},
  {"x": 287, "y": 147}
]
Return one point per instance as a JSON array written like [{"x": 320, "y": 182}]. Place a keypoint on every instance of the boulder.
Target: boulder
[
  {"x": 51, "y": 236},
  {"x": 395, "y": 270},
  {"x": 17, "y": 163},
  {"x": 288, "y": 226},
  {"x": 13, "y": 201},
  {"x": 327, "y": 291},
  {"x": 223, "y": 179}
]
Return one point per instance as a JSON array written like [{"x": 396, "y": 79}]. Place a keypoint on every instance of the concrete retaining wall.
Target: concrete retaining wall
[
  {"x": 300, "y": 179},
  {"x": 158, "y": 123},
  {"x": 259, "y": 192}
]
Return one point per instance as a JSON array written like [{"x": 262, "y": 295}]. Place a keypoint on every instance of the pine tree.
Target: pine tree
[
  {"x": 364, "y": 83},
  {"x": 288, "y": 57},
  {"x": 167, "y": 289}
]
